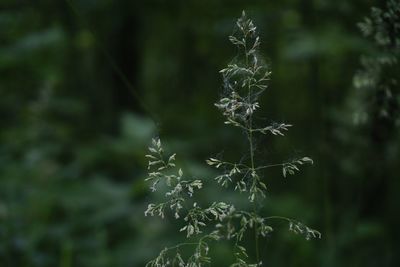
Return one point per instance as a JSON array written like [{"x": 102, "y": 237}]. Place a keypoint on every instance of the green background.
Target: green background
[{"x": 85, "y": 85}]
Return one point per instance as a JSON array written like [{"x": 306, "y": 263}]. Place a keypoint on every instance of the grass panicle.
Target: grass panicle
[{"x": 244, "y": 80}]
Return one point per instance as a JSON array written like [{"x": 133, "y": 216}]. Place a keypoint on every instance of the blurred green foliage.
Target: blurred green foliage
[{"x": 84, "y": 85}]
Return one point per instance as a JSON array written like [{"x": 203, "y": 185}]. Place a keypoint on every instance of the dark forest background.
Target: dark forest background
[{"x": 85, "y": 85}]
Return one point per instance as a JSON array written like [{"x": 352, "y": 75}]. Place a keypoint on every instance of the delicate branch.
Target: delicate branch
[{"x": 275, "y": 129}]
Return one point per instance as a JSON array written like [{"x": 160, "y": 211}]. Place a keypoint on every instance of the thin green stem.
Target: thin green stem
[
  {"x": 235, "y": 164},
  {"x": 254, "y": 203},
  {"x": 250, "y": 137},
  {"x": 269, "y": 166}
]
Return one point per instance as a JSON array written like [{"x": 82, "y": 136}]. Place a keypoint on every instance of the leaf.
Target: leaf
[
  {"x": 172, "y": 157},
  {"x": 152, "y": 150},
  {"x": 307, "y": 160}
]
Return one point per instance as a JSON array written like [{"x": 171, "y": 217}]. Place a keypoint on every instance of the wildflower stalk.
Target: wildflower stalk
[
  {"x": 244, "y": 81},
  {"x": 250, "y": 137}
]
